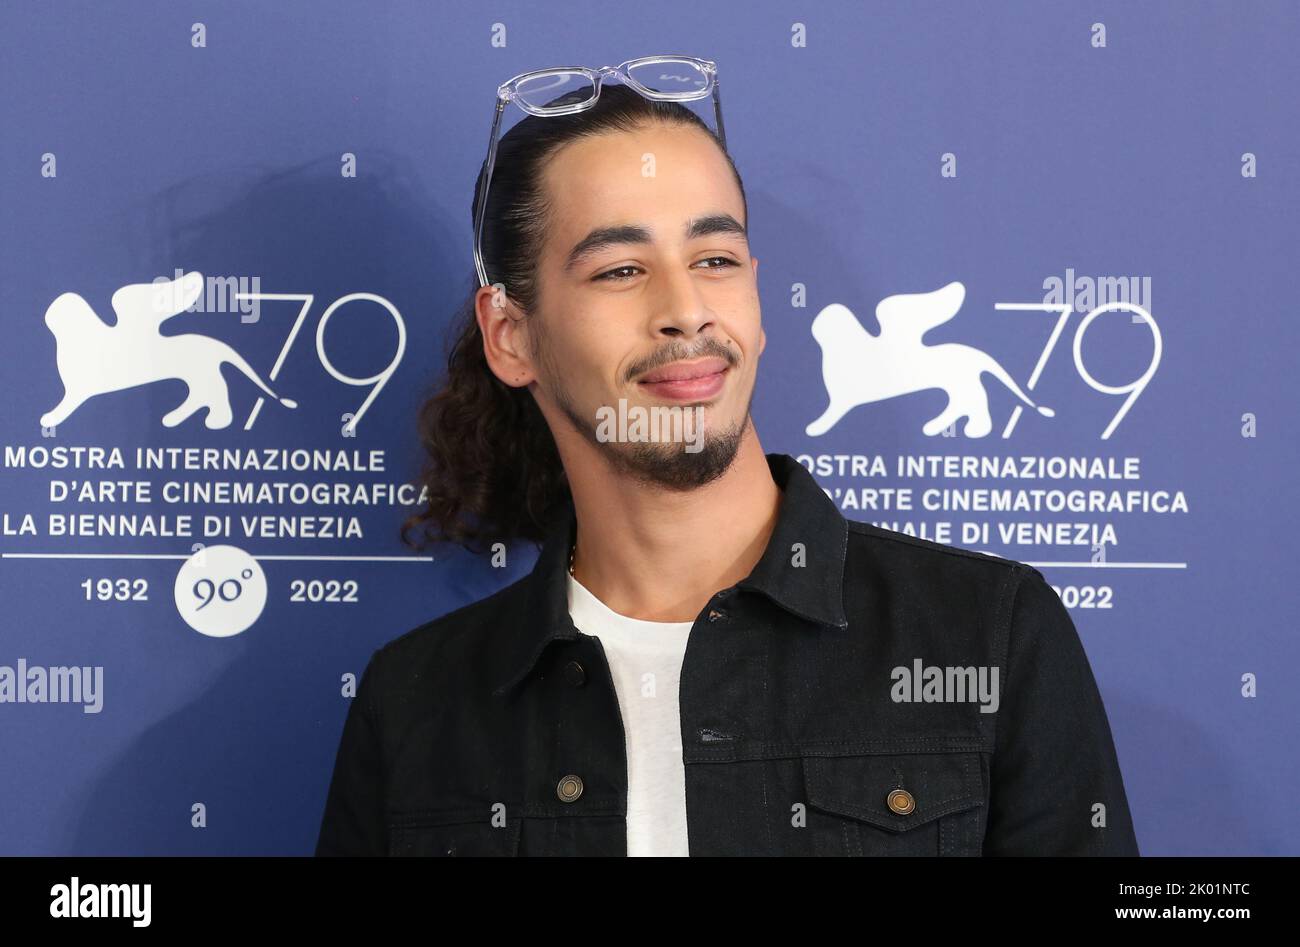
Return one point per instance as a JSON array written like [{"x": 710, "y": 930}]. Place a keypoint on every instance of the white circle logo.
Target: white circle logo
[{"x": 220, "y": 591}]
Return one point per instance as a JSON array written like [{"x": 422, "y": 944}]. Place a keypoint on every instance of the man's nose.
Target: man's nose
[{"x": 681, "y": 309}]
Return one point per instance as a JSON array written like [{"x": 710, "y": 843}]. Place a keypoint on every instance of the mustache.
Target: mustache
[{"x": 677, "y": 352}]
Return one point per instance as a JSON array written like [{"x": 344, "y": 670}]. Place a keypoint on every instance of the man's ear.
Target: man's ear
[{"x": 501, "y": 324}]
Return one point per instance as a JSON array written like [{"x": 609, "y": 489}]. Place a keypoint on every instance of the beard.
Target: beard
[{"x": 660, "y": 464}]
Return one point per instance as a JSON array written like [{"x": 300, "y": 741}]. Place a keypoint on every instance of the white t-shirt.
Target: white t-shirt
[{"x": 645, "y": 660}]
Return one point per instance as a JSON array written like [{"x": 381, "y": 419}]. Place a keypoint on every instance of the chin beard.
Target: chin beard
[
  {"x": 670, "y": 466},
  {"x": 663, "y": 464}
]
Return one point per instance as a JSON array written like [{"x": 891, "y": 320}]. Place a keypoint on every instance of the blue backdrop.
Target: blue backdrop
[{"x": 1112, "y": 186}]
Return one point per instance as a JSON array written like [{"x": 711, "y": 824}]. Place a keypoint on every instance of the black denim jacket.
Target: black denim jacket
[{"x": 495, "y": 730}]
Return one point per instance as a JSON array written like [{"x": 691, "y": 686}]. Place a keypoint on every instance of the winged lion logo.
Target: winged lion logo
[
  {"x": 95, "y": 358},
  {"x": 861, "y": 368}
]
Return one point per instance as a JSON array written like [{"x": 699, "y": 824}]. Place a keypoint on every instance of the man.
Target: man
[{"x": 707, "y": 657}]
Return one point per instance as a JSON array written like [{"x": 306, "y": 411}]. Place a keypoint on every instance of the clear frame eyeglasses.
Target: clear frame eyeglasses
[{"x": 665, "y": 78}]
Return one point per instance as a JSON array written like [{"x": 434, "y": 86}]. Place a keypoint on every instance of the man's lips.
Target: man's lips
[{"x": 694, "y": 380}]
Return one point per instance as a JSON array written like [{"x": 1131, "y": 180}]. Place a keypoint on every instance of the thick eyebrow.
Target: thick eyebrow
[{"x": 604, "y": 237}]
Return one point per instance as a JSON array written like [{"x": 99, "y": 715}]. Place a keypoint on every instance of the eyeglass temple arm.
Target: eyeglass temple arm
[
  {"x": 717, "y": 112},
  {"x": 483, "y": 191}
]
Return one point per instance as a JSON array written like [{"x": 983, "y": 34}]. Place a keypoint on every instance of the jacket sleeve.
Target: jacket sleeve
[
  {"x": 353, "y": 822},
  {"x": 1054, "y": 759}
]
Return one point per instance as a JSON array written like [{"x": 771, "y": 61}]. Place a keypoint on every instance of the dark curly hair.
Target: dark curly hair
[{"x": 493, "y": 473}]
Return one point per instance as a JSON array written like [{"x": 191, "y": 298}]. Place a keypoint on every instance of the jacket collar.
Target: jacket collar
[{"x": 809, "y": 527}]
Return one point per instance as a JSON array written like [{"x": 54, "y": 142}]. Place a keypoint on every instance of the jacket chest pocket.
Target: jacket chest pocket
[
  {"x": 909, "y": 804},
  {"x": 451, "y": 836}
]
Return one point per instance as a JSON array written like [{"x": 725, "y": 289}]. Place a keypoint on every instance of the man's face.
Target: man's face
[{"x": 662, "y": 310}]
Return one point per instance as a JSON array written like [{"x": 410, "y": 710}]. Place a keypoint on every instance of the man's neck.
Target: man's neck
[{"x": 660, "y": 555}]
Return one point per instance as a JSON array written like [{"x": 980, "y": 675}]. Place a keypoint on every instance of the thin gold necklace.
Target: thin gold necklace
[{"x": 573, "y": 552}]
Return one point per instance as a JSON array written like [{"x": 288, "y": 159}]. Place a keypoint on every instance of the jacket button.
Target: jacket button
[
  {"x": 575, "y": 674},
  {"x": 715, "y": 614},
  {"x": 569, "y": 789},
  {"x": 900, "y": 801}
]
